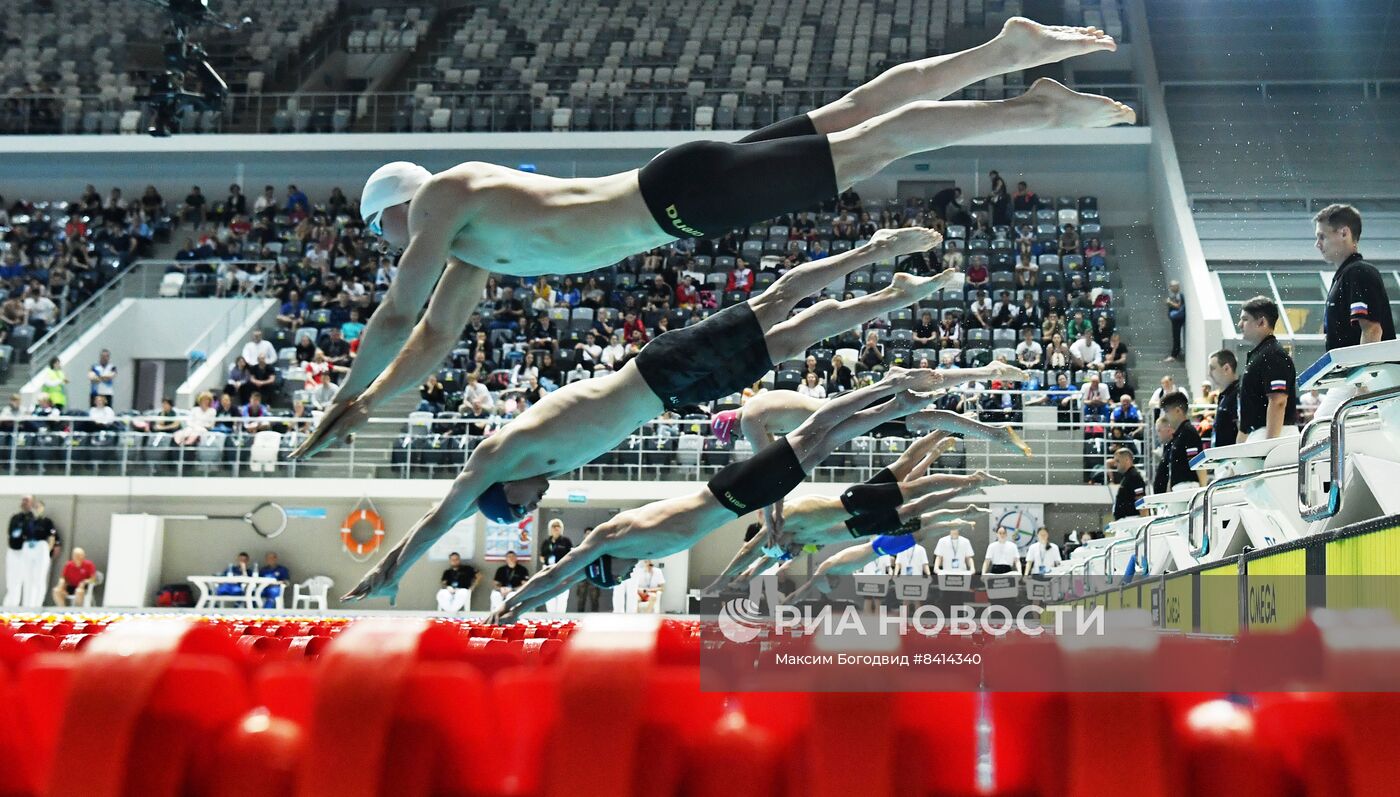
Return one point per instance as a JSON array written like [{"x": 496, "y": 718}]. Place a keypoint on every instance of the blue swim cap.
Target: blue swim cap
[{"x": 494, "y": 505}]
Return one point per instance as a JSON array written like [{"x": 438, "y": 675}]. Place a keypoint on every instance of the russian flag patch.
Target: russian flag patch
[
  {"x": 1192, "y": 451},
  {"x": 1360, "y": 308},
  {"x": 1279, "y": 384}
]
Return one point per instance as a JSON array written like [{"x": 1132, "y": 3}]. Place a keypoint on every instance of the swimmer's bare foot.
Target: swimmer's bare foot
[
  {"x": 905, "y": 240},
  {"x": 915, "y": 379},
  {"x": 972, "y": 510},
  {"x": 1007, "y": 372},
  {"x": 912, "y": 400},
  {"x": 915, "y": 289},
  {"x": 1063, "y": 107},
  {"x": 987, "y": 478},
  {"x": 1013, "y": 440},
  {"x": 1033, "y": 44}
]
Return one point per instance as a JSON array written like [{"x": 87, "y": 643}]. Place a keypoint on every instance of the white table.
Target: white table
[{"x": 253, "y": 587}]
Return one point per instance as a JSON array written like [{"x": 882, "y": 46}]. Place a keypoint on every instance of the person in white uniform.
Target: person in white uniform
[
  {"x": 650, "y": 582},
  {"x": 1043, "y": 554},
  {"x": 953, "y": 554},
  {"x": 15, "y": 534},
  {"x": 1002, "y": 555}
]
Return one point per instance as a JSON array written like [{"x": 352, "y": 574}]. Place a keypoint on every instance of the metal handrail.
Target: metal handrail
[
  {"x": 1337, "y": 447},
  {"x": 1205, "y": 496},
  {"x": 1145, "y": 535}
]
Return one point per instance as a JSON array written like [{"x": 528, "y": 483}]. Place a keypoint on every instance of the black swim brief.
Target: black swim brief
[
  {"x": 702, "y": 189},
  {"x": 721, "y": 355},
  {"x": 765, "y": 478}
]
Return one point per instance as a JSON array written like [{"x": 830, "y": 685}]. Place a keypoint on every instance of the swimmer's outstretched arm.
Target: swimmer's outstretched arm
[
  {"x": 747, "y": 554},
  {"x": 847, "y": 560},
  {"x": 432, "y": 339}
]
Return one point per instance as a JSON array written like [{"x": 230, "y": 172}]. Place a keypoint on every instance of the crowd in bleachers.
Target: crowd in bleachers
[{"x": 55, "y": 254}]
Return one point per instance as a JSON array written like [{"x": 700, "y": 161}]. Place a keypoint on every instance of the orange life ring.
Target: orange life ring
[{"x": 348, "y": 539}]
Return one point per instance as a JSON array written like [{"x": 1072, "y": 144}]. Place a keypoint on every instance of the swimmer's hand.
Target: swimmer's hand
[
  {"x": 905, "y": 240},
  {"x": 382, "y": 581},
  {"x": 338, "y": 422},
  {"x": 773, "y": 520}
]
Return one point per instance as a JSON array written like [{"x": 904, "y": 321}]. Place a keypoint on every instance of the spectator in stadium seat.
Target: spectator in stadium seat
[
  {"x": 509, "y": 311},
  {"x": 872, "y": 354},
  {"x": 262, "y": 376},
  {"x": 297, "y": 203},
  {"x": 293, "y": 312},
  {"x": 659, "y": 292},
  {"x": 1127, "y": 415},
  {"x": 615, "y": 353},
  {"x": 433, "y": 395},
  {"x": 265, "y": 205},
  {"x": 11, "y": 412},
  {"x": 236, "y": 203},
  {"x": 54, "y": 384},
  {"x": 114, "y": 210},
  {"x": 79, "y": 575},
  {"x": 1078, "y": 325},
  {"x": 543, "y": 296},
  {"x": 152, "y": 203},
  {"x": 317, "y": 382},
  {"x": 306, "y": 348},
  {"x": 41, "y": 310},
  {"x": 953, "y": 256},
  {"x": 812, "y": 386},
  {"x": 1095, "y": 256},
  {"x": 257, "y": 414},
  {"x": 980, "y": 312},
  {"x": 200, "y": 420},
  {"x": 336, "y": 348},
  {"x": 491, "y": 292},
  {"x": 1103, "y": 329},
  {"x": 318, "y": 257},
  {"x": 1168, "y": 385},
  {"x": 633, "y": 329},
  {"x": 169, "y": 422},
  {"x": 1005, "y": 313},
  {"x": 925, "y": 331},
  {"x": 1120, "y": 387},
  {"x": 509, "y": 577},
  {"x": 194, "y": 210},
  {"x": 257, "y": 347},
  {"x": 740, "y": 277},
  {"x": 1086, "y": 352},
  {"x": 1115, "y": 354},
  {"x": 849, "y": 201},
  {"x": 100, "y": 415},
  {"x": 1024, "y": 198},
  {"x": 1079, "y": 297},
  {"x": 476, "y": 388},
  {"x": 588, "y": 351},
  {"x": 1069, "y": 241},
  {"x": 338, "y": 204},
  {"x": 237, "y": 382},
  {"x": 568, "y": 294},
  {"x": 542, "y": 333},
  {"x": 1028, "y": 352},
  {"x": 225, "y": 413},
  {"x": 950, "y": 331},
  {"x": 977, "y": 274},
  {"x": 687, "y": 296},
  {"x": 841, "y": 377},
  {"x": 1026, "y": 271},
  {"x": 1093, "y": 399},
  {"x": 352, "y": 330},
  {"x": 271, "y": 568}
]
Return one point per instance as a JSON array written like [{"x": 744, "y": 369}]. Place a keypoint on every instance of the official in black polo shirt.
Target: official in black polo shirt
[
  {"x": 1269, "y": 388},
  {"x": 1223, "y": 365},
  {"x": 458, "y": 580},
  {"x": 1358, "y": 309},
  {"x": 1184, "y": 445},
  {"x": 1131, "y": 485},
  {"x": 509, "y": 577},
  {"x": 555, "y": 547}
]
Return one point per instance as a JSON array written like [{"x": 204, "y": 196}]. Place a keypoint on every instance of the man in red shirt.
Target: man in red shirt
[{"x": 78, "y": 577}]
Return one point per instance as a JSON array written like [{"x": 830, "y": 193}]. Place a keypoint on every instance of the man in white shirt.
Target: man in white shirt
[
  {"x": 953, "y": 554},
  {"x": 589, "y": 351},
  {"x": 103, "y": 377},
  {"x": 1002, "y": 555},
  {"x": 1042, "y": 555},
  {"x": 650, "y": 581},
  {"x": 614, "y": 352},
  {"x": 102, "y": 415},
  {"x": 912, "y": 562},
  {"x": 1028, "y": 351},
  {"x": 259, "y": 347},
  {"x": 475, "y": 390},
  {"x": 1168, "y": 387},
  {"x": 1086, "y": 352},
  {"x": 1094, "y": 398},
  {"x": 42, "y": 312}
]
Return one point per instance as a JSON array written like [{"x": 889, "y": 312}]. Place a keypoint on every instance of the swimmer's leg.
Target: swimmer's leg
[
  {"x": 829, "y": 318},
  {"x": 861, "y": 151},
  {"x": 954, "y": 423},
  {"x": 1022, "y": 44}
]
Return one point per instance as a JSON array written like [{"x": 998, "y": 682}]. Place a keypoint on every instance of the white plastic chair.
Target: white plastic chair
[
  {"x": 262, "y": 458},
  {"x": 312, "y": 591},
  {"x": 97, "y": 578}
]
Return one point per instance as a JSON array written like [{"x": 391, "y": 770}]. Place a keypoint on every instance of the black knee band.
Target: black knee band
[
  {"x": 862, "y": 499},
  {"x": 883, "y": 477},
  {"x": 763, "y": 479},
  {"x": 881, "y": 521},
  {"x": 705, "y": 188}
]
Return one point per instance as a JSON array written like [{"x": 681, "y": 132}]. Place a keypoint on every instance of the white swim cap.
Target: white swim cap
[{"x": 391, "y": 184}]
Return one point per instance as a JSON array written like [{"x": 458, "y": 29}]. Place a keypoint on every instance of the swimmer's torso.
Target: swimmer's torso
[{"x": 530, "y": 224}]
